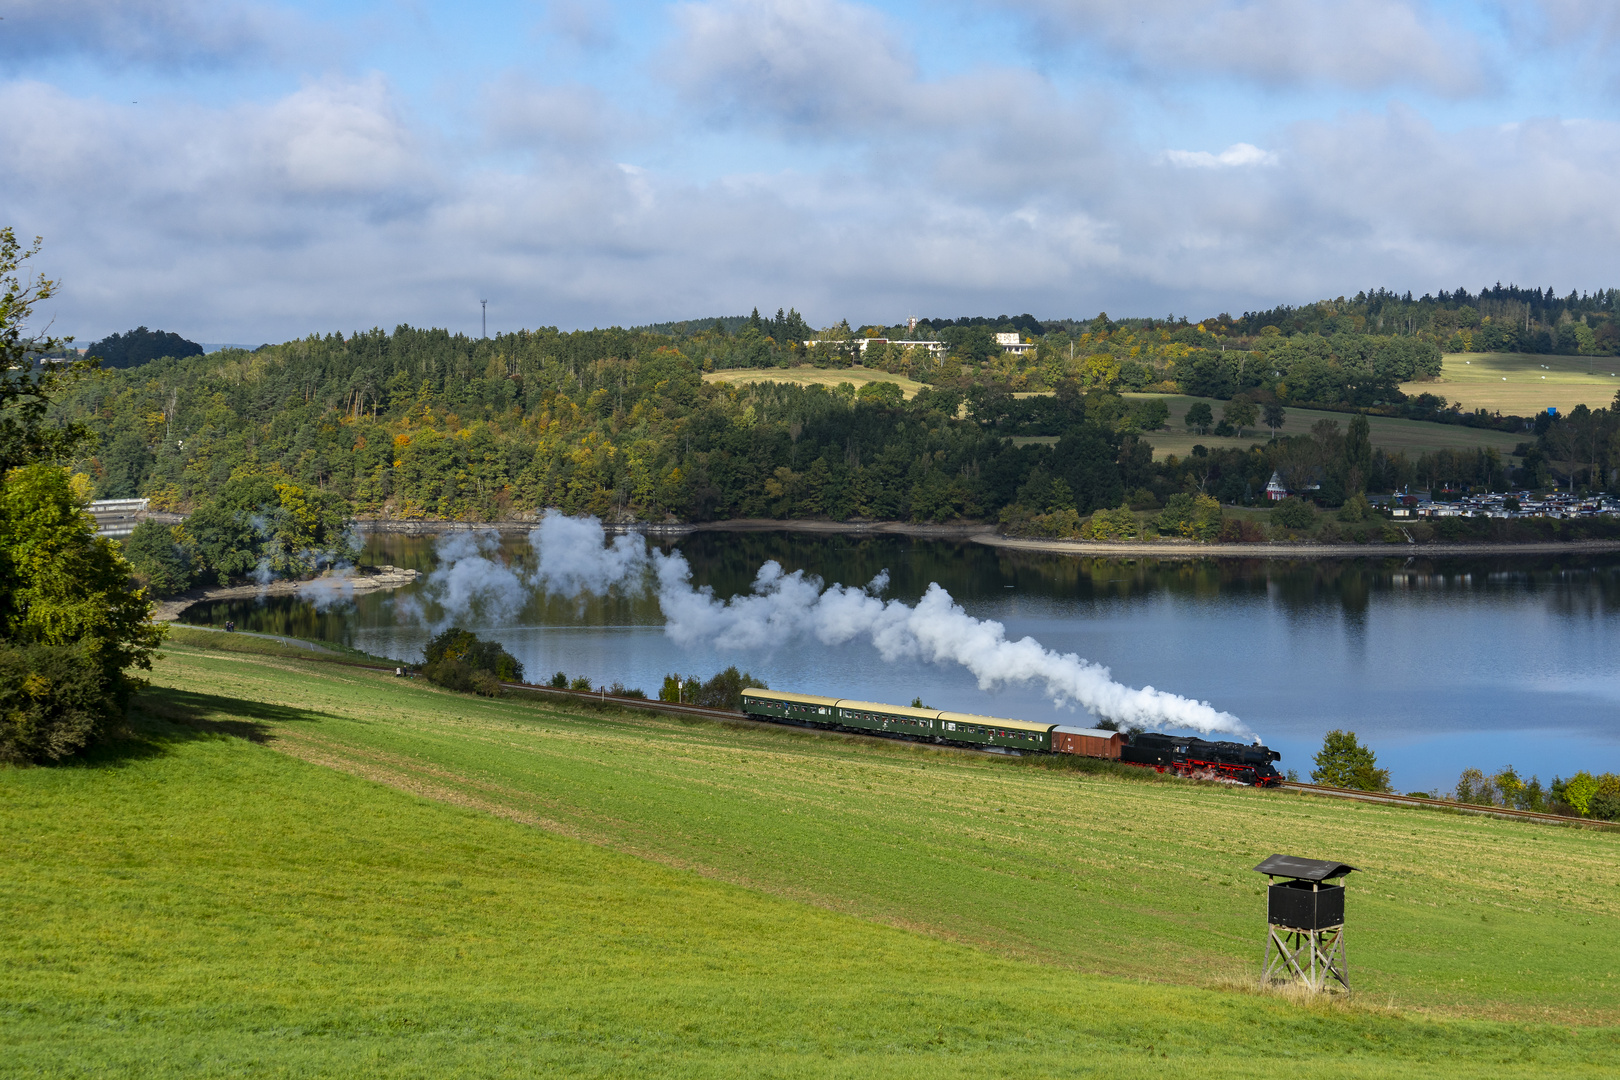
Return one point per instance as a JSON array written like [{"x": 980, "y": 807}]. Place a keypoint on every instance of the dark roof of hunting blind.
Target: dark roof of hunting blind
[{"x": 1292, "y": 866}]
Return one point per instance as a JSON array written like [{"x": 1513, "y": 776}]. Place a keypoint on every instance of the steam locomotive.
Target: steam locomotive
[{"x": 1230, "y": 761}]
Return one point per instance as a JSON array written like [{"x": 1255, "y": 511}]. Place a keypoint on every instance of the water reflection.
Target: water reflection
[{"x": 1443, "y": 664}]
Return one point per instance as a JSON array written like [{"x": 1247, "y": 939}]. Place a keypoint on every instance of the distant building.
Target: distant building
[
  {"x": 862, "y": 344},
  {"x": 1013, "y": 343},
  {"x": 117, "y": 517},
  {"x": 1276, "y": 490}
]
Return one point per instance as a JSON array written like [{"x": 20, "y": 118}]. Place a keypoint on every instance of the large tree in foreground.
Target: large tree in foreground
[
  {"x": 72, "y": 623},
  {"x": 33, "y": 368}
]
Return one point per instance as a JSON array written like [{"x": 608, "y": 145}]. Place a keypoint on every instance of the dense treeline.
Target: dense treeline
[{"x": 1495, "y": 319}]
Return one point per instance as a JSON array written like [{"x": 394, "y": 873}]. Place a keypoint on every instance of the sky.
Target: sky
[{"x": 244, "y": 171}]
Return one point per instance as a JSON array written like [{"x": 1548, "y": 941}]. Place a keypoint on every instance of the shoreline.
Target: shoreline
[
  {"x": 329, "y": 586},
  {"x": 1187, "y": 549},
  {"x": 981, "y": 533}
]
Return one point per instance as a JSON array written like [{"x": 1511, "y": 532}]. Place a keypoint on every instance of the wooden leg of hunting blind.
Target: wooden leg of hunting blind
[{"x": 1313, "y": 957}]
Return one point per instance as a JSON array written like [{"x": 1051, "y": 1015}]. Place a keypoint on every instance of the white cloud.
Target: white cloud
[
  {"x": 1235, "y": 156},
  {"x": 815, "y": 65},
  {"x": 1360, "y": 44},
  {"x": 518, "y": 111}
]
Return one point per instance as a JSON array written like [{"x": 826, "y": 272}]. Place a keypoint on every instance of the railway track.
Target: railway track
[
  {"x": 1442, "y": 804},
  {"x": 1323, "y": 790}
]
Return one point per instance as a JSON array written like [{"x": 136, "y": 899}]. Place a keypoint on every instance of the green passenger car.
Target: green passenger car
[
  {"x": 929, "y": 724},
  {"x": 995, "y": 731},
  {"x": 806, "y": 708},
  {"x": 892, "y": 719}
]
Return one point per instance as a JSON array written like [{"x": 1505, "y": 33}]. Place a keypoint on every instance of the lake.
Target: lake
[{"x": 1439, "y": 665}]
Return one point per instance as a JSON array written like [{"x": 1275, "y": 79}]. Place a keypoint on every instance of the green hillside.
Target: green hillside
[{"x": 298, "y": 868}]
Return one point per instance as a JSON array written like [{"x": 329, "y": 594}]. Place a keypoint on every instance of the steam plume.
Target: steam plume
[
  {"x": 471, "y": 577},
  {"x": 575, "y": 559}
]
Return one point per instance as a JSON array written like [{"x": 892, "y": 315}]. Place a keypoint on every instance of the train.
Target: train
[{"x": 1238, "y": 763}]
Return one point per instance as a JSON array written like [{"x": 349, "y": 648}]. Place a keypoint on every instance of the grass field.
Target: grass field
[
  {"x": 300, "y": 868},
  {"x": 1520, "y": 384},
  {"x": 812, "y": 376},
  {"x": 1414, "y": 437}
]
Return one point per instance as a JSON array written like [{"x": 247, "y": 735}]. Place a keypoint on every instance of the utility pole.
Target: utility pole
[{"x": 485, "y": 305}]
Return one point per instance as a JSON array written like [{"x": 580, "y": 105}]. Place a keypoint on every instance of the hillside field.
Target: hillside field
[
  {"x": 299, "y": 868},
  {"x": 1522, "y": 384},
  {"x": 806, "y": 375},
  {"x": 1412, "y": 437}
]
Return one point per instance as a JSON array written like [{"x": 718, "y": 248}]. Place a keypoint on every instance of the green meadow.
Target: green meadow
[
  {"x": 1523, "y": 384},
  {"x": 292, "y": 867},
  {"x": 1411, "y": 437}
]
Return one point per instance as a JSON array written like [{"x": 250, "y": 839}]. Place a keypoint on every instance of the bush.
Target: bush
[
  {"x": 559, "y": 681},
  {"x": 580, "y": 682},
  {"x": 1197, "y": 517},
  {"x": 1238, "y": 530},
  {"x": 1356, "y": 508},
  {"x": 723, "y": 691},
  {"x": 1110, "y": 525},
  {"x": 457, "y": 660},
  {"x": 1294, "y": 513},
  {"x": 1056, "y": 525},
  {"x": 1605, "y": 804},
  {"x": 68, "y": 605},
  {"x": 53, "y": 702},
  {"x": 159, "y": 558},
  {"x": 1578, "y": 791}
]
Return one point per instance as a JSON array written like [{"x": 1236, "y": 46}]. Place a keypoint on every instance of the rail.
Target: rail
[{"x": 1392, "y": 799}]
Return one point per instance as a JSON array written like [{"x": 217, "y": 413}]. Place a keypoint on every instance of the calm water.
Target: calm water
[{"x": 1439, "y": 665}]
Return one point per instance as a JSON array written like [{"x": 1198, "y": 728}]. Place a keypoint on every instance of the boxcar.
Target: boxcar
[
  {"x": 1088, "y": 742},
  {"x": 995, "y": 731}
]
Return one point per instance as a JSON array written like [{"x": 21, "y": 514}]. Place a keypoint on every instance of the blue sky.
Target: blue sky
[{"x": 244, "y": 171}]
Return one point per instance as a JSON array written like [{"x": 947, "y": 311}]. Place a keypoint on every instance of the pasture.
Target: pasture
[
  {"x": 813, "y": 376},
  {"x": 1520, "y": 384},
  {"x": 299, "y": 868},
  {"x": 1413, "y": 437}
]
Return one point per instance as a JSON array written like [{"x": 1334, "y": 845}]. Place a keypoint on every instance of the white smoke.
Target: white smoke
[
  {"x": 573, "y": 560},
  {"x": 471, "y": 578},
  {"x": 783, "y": 607},
  {"x": 576, "y": 560}
]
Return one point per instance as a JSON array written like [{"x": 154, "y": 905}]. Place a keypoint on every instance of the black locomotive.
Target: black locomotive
[{"x": 1192, "y": 757}]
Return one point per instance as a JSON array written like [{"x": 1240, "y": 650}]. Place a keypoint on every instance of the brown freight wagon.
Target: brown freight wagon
[{"x": 1087, "y": 742}]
